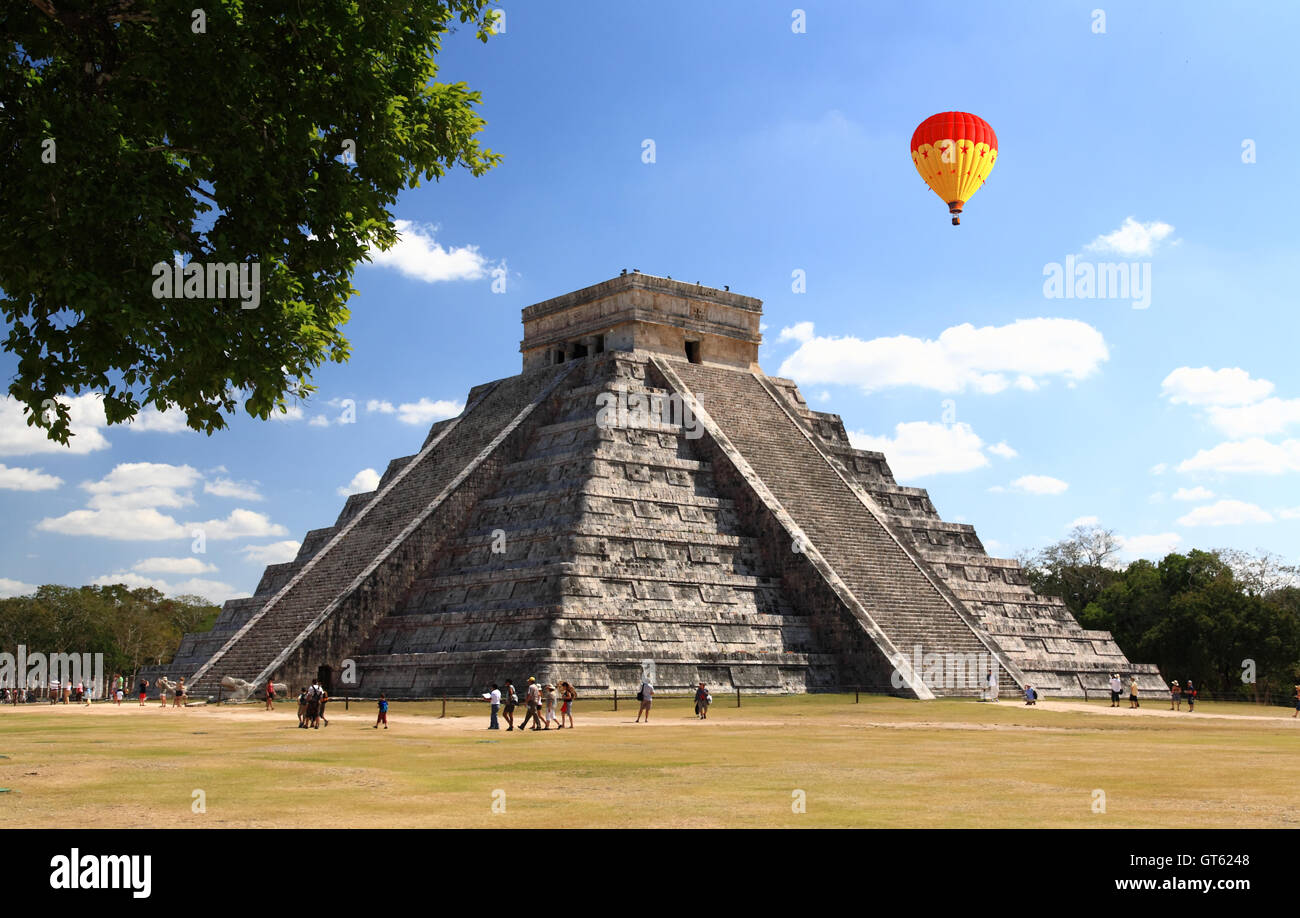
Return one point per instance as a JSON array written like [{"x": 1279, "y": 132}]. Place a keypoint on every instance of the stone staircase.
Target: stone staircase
[
  {"x": 907, "y": 605},
  {"x": 376, "y": 530}
]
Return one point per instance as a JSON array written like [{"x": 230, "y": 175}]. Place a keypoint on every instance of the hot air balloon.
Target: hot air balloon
[{"x": 954, "y": 152}]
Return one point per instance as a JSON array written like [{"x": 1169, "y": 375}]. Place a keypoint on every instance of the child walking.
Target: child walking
[{"x": 383, "y": 712}]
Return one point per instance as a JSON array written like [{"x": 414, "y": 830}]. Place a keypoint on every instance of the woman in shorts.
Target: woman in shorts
[{"x": 568, "y": 696}]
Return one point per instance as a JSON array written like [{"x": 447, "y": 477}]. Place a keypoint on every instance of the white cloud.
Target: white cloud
[
  {"x": 1003, "y": 450},
  {"x": 963, "y": 357},
  {"x": 417, "y": 255},
  {"x": 800, "y": 331},
  {"x": 1203, "y": 386},
  {"x": 1132, "y": 238},
  {"x": 173, "y": 566},
  {"x": 319, "y": 421},
  {"x": 1270, "y": 416},
  {"x": 274, "y": 553},
  {"x": 823, "y": 396},
  {"x": 1159, "y": 468},
  {"x": 426, "y": 412},
  {"x": 1083, "y": 521},
  {"x": 150, "y": 420},
  {"x": 238, "y": 490},
  {"x": 290, "y": 413},
  {"x": 1289, "y": 513},
  {"x": 1035, "y": 484},
  {"x": 382, "y": 407},
  {"x": 132, "y": 485},
  {"x": 86, "y": 414},
  {"x": 1253, "y": 456},
  {"x": 1153, "y": 547},
  {"x": 239, "y": 524},
  {"x": 1226, "y": 513},
  {"x": 20, "y": 479},
  {"x": 125, "y": 524},
  {"x": 1197, "y": 493},
  {"x": 920, "y": 448},
  {"x": 363, "y": 481},
  {"x": 10, "y": 588}
]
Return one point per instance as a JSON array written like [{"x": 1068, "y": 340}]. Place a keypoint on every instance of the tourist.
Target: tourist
[
  {"x": 81, "y": 690},
  {"x": 993, "y": 685},
  {"x": 645, "y": 695},
  {"x": 313, "y": 704},
  {"x": 1031, "y": 696},
  {"x": 1296, "y": 698},
  {"x": 67, "y": 691},
  {"x": 532, "y": 701},
  {"x": 493, "y": 698},
  {"x": 549, "y": 698},
  {"x": 1189, "y": 692},
  {"x": 179, "y": 700},
  {"x": 509, "y": 701},
  {"x": 1175, "y": 697},
  {"x": 568, "y": 696},
  {"x": 119, "y": 686},
  {"x": 383, "y": 712},
  {"x": 324, "y": 700},
  {"x": 163, "y": 685},
  {"x": 144, "y": 690},
  {"x": 702, "y": 700},
  {"x": 302, "y": 709},
  {"x": 1115, "y": 688},
  {"x": 1133, "y": 692},
  {"x": 270, "y": 695},
  {"x": 54, "y": 692}
]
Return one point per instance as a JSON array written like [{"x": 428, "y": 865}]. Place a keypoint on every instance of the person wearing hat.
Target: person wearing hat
[
  {"x": 1175, "y": 697},
  {"x": 1115, "y": 687},
  {"x": 532, "y": 700},
  {"x": 1189, "y": 692},
  {"x": 549, "y": 696}
]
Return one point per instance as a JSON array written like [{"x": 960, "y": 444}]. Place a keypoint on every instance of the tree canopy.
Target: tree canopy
[{"x": 278, "y": 135}]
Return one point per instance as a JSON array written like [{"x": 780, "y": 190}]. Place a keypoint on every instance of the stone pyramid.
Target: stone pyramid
[{"x": 642, "y": 498}]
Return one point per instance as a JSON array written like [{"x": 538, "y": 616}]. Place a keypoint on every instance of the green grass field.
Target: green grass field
[{"x": 884, "y": 762}]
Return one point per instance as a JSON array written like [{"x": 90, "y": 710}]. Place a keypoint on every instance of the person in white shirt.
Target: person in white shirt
[
  {"x": 494, "y": 699},
  {"x": 646, "y": 695},
  {"x": 1115, "y": 688}
]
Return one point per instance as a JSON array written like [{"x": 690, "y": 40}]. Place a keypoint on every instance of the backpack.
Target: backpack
[{"x": 640, "y": 695}]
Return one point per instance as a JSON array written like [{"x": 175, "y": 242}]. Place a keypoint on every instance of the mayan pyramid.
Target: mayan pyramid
[{"x": 725, "y": 533}]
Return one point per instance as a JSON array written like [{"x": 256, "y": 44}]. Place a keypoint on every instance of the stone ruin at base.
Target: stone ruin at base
[{"x": 642, "y": 494}]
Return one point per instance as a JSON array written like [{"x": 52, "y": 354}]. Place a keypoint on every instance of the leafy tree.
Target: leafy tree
[
  {"x": 1077, "y": 568},
  {"x": 137, "y": 132}
]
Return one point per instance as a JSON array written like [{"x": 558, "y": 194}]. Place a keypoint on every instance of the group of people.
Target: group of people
[
  {"x": 1177, "y": 693},
  {"x": 544, "y": 704},
  {"x": 311, "y": 705},
  {"x": 68, "y": 692}
]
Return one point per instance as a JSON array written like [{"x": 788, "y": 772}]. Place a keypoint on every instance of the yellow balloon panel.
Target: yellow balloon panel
[{"x": 954, "y": 169}]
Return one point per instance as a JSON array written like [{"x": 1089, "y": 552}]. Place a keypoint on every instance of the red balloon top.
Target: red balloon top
[{"x": 954, "y": 126}]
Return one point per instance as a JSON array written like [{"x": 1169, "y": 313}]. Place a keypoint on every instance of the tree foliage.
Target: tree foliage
[
  {"x": 1217, "y": 617},
  {"x": 131, "y": 628},
  {"x": 137, "y": 132}
]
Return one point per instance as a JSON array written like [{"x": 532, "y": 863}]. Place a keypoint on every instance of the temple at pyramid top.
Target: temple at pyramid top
[{"x": 640, "y": 312}]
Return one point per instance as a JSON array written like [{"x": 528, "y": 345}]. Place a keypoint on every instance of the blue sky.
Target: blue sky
[{"x": 775, "y": 152}]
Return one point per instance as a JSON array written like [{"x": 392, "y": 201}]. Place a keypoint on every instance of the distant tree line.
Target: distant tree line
[
  {"x": 1212, "y": 616},
  {"x": 131, "y": 628}
]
